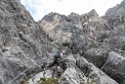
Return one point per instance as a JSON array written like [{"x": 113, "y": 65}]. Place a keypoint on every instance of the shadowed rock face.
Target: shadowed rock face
[
  {"x": 96, "y": 43},
  {"x": 114, "y": 66},
  {"x": 22, "y": 44}
]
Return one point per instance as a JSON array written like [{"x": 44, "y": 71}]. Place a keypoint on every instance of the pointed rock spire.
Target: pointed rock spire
[{"x": 93, "y": 13}]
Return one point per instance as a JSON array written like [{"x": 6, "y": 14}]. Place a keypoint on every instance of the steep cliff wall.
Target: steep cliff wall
[
  {"x": 94, "y": 45},
  {"x": 22, "y": 43}
]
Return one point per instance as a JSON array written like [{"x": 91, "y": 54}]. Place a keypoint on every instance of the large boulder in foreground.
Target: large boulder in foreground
[
  {"x": 97, "y": 56},
  {"x": 44, "y": 74},
  {"x": 72, "y": 76},
  {"x": 115, "y": 67},
  {"x": 91, "y": 71}
]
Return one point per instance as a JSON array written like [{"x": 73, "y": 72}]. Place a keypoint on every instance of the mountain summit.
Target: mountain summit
[{"x": 93, "y": 13}]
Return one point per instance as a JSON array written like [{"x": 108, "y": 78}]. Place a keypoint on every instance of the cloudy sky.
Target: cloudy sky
[{"x": 39, "y": 8}]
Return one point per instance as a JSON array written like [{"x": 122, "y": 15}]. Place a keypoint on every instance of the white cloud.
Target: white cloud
[{"x": 39, "y": 8}]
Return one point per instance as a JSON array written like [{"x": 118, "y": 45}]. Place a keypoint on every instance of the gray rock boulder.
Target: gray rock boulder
[
  {"x": 117, "y": 41},
  {"x": 91, "y": 71},
  {"x": 97, "y": 56},
  {"x": 45, "y": 74},
  {"x": 72, "y": 76},
  {"x": 70, "y": 61},
  {"x": 115, "y": 66}
]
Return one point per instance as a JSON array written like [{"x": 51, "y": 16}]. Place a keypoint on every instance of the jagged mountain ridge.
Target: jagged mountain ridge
[
  {"x": 90, "y": 36},
  {"x": 94, "y": 45},
  {"x": 117, "y": 11}
]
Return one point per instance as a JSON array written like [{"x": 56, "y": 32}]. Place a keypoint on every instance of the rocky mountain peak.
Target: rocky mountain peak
[
  {"x": 93, "y": 13},
  {"x": 117, "y": 10},
  {"x": 74, "y": 14}
]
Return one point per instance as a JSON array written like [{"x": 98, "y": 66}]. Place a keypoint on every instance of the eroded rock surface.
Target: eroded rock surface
[
  {"x": 22, "y": 43},
  {"x": 117, "y": 11},
  {"x": 95, "y": 46}
]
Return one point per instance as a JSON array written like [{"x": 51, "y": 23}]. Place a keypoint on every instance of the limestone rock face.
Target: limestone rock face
[
  {"x": 45, "y": 74},
  {"x": 97, "y": 56},
  {"x": 71, "y": 76},
  {"x": 116, "y": 11},
  {"x": 22, "y": 44},
  {"x": 95, "y": 46},
  {"x": 114, "y": 66},
  {"x": 93, "y": 13},
  {"x": 74, "y": 30},
  {"x": 88, "y": 35},
  {"x": 92, "y": 72}
]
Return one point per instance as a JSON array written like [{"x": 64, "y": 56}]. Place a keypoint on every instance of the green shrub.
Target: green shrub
[
  {"x": 48, "y": 81},
  {"x": 4, "y": 50}
]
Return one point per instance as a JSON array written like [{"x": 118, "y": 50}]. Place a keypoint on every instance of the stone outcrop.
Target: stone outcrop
[
  {"x": 117, "y": 11},
  {"x": 72, "y": 76},
  {"x": 88, "y": 35},
  {"x": 97, "y": 56},
  {"x": 85, "y": 73},
  {"x": 74, "y": 31},
  {"x": 114, "y": 66},
  {"x": 92, "y": 72},
  {"x": 95, "y": 46},
  {"x": 22, "y": 43}
]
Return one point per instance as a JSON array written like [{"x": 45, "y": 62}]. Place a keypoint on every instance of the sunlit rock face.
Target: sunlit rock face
[
  {"x": 75, "y": 31},
  {"x": 95, "y": 46}
]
